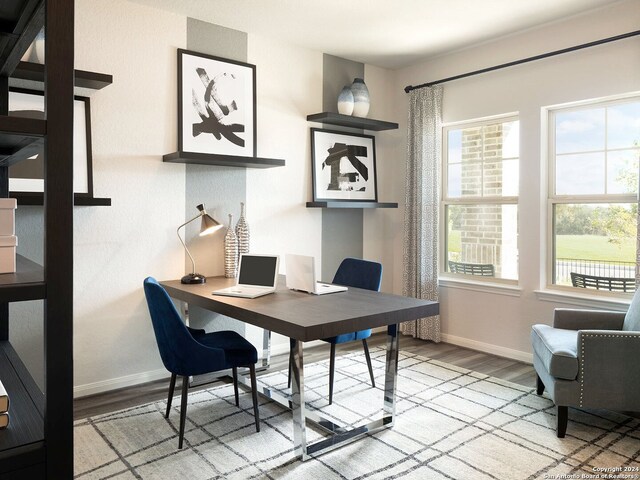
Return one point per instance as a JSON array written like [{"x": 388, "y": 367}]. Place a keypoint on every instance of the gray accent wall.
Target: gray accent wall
[
  {"x": 342, "y": 229},
  {"x": 221, "y": 189}
]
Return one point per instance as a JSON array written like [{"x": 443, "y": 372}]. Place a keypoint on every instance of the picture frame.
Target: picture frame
[
  {"x": 216, "y": 105},
  {"x": 27, "y": 176},
  {"x": 343, "y": 166}
]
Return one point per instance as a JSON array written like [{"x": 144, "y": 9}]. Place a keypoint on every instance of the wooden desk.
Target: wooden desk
[{"x": 304, "y": 317}]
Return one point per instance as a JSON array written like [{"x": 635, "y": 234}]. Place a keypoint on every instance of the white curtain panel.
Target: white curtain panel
[{"x": 422, "y": 186}]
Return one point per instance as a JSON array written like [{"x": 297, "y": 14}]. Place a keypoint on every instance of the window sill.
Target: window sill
[
  {"x": 476, "y": 286},
  {"x": 591, "y": 301}
]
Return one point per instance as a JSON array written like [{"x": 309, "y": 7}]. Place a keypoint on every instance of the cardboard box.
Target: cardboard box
[
  {"x": 8, "y": 216},
  {"x": 8, "y": 246}
]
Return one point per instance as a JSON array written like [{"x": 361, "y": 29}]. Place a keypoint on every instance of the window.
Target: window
[
  {"x": 480, "y": 198},
  {"x": 593, "y": 187}
]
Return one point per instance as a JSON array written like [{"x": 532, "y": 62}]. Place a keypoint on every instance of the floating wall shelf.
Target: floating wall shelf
[
  {"x": 353, "y": 122},
  {"x": 338, "y": 204},
  {"x": 222, "y": 160}
]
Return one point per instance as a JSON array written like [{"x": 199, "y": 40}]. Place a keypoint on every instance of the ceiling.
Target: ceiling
[{"x": 386, "y": 33}]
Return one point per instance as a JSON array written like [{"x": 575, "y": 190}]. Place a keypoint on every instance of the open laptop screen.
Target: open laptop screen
[{"x": 257, "y": 270}]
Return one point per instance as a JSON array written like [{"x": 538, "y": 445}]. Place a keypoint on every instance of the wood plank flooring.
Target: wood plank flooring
[{"x": 504, "y": 368}]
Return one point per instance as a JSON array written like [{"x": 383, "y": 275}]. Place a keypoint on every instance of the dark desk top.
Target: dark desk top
[{"x": 303, "y": 316}]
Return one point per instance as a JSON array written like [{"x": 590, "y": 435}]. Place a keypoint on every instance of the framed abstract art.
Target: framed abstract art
[
  {"x": 343, "y": 166},
  {"x": 216, "y": 105}
]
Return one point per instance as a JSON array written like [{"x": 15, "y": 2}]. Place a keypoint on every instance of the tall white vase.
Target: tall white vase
[{"x": 360, "y": 98}]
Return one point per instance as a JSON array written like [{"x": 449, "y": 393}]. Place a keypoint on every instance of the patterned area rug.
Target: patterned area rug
[{"x": 452, "y": 424}]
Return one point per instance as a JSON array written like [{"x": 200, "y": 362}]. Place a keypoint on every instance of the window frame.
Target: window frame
[
  {"x": 446, "y": 201},
  {"x": 549, "y": 116}
]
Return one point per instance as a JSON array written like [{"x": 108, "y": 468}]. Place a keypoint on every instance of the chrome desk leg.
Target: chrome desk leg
[
  {"x": 266, "y": 349},
  {"x": 297, "y": 402},
  {"x": 391, "y": 371}
]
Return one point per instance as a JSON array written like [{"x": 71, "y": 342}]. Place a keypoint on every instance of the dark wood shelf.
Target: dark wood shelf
[
  {"x": 26, "y": 284},
  {"x": 222, "y": 160},
  {"x": 79, "y": 199},
  {"x": 353, "y": 122},
  {"x": 25, "y": 434},
  {"x": 20, "y": 138},
  {"x": 31, "y": 75},
  {"x": 344, "y": 204}
]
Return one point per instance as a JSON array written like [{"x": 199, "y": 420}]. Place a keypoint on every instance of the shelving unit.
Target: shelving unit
[
  {"x": 363, "y": 123},
  {"x": 222, "y": 160},
  {"x": 31, "y": 76},
  {"x": 343, "y": 204},
  {"x": 39, "y": 440},
  {"x": 338, "y": 119},
  {"x": 79, "y": 199}
]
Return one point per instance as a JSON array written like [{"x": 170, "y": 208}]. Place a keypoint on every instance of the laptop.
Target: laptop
[
  {"x": 257, "y": 276},
  {"x": 301, "y": 275}
]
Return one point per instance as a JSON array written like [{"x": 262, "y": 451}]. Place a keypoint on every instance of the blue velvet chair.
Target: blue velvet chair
[
  {"x": 357, "y": 273},
  {"x": 187, "y": 351}
]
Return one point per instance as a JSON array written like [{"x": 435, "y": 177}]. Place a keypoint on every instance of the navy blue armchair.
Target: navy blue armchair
[
  {"x": 187, "y": 351},
  {"x": 357, "y": 273}
]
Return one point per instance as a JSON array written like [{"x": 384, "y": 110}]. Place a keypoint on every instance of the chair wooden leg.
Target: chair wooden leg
[
  {"x": 561, "y": 417},
  {"x": 172, "y": 387},
  {"x": 254, "y": 394},
  {"x": 539, "y": 385},
  {"x": 332, "y": 367},
  {"x": 368, "y": 357},
  {"x": 235, "y": 384},
  {"x": 183, "y": 408}
]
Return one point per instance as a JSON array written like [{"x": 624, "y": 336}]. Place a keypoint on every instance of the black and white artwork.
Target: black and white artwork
[
  {"x": 28, "y": 175},
  {"x": 343, "y": 166},
  {"x": 217, "y": 105}
]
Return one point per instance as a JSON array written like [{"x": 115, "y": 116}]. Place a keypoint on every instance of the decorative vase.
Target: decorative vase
[
  {"x": 345, "y": 101},
  {"x": 242, "y": 232},
  {"x": 38, "y": 47},
  {"x": 360, "y": 98},
  {"x": 230, "y": 251}
]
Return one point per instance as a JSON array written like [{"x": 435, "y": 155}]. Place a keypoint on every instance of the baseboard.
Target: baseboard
[
  {"x": 119, "y": 382},
  {"x": 488, "y": 348},
  {"x": 161, "y": 374}
]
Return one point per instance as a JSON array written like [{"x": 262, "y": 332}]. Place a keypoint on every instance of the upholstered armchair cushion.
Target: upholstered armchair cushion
[
  {"x": 575, "y": 319},
  {"x": 609, "y": 374},
  {"x": 632, "y": 318},
  {"x": 557, "y": 350}
]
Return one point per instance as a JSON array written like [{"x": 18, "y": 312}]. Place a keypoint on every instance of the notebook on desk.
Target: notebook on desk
[
  {"x": 301, "y": 275},
  {"x": 257, "y": 276}
]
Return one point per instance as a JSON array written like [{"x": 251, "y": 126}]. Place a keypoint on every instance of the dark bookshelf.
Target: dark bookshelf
[
  {"x": 31, "y": 75},
  {"x": 79, "y": 199},
  {"x": 222, "y": 160},
  {"x": 344, "y": 204},
  {"x": 363, "y": 123}
]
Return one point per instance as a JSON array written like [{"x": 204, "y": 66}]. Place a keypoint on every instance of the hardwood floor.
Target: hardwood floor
[{"x": 503, "y": 368}]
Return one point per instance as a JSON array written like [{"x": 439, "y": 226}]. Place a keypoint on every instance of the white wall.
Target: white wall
[
  {"x": 497, "y": 322},
  {"x": 133, "y": 125},
  {"x": 289, "y": 87}
]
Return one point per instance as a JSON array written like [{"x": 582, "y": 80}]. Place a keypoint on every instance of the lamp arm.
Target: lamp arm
[{"x": 193, "y": 263}]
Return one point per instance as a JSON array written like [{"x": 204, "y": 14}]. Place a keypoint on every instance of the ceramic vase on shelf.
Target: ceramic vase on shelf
[
  {"x": 360, "y": 98},
  {"x": 230, "y": 251},
  {"x": 242, "y": 232},
  {"x": 345, "y": 101}
]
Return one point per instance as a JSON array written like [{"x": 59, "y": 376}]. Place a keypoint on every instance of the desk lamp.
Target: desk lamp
[{"x": 207, "y": 227}]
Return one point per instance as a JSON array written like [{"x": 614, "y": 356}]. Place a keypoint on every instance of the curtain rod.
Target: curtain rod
[{"x": 408, "y": 88}]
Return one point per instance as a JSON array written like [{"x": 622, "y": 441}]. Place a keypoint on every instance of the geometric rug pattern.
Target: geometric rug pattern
[{"x": 451, "y": 423}]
